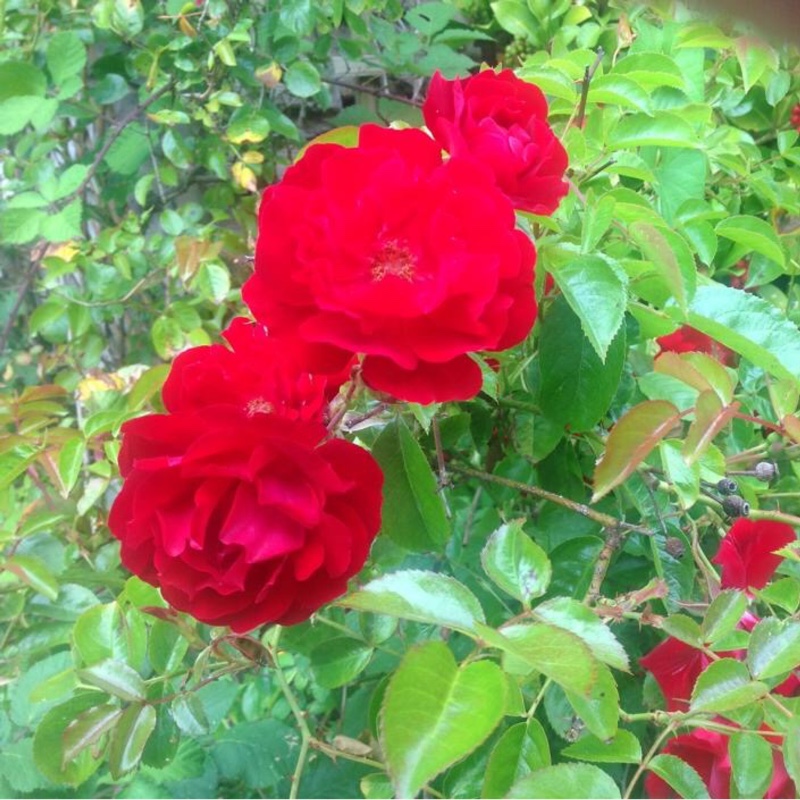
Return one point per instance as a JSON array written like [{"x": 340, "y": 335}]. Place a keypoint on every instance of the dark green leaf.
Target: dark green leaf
[
  {"x": 116, "y": 678},
  {"x": 87, "y": 728},
  {"x": 338, "y": 661},
  {"x": 413, "y": 512},
  {"x": 522, "y": 749},
  {"x": 129, "y": 738}
]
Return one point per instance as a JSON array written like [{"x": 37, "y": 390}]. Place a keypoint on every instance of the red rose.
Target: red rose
[
  {"x": 386, "y": 250},
  {"x": 747, "y": 556},
  {"x": 257, "y": 373},
  {"x": 501, "y": 121},
  {"x": 689, "y": 340},
  {"x": 675, "y": 666},
  {"x": 244, "y": 520},
  {"x": 796, "y": 117},
  {"x": 707, "y": 752}
]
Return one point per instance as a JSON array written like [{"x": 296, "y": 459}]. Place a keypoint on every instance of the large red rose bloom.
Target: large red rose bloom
[
  {"x": 388, "y": 251},
  {"x": 501, "y": 121},
  {"x": 244, "y": 520}
]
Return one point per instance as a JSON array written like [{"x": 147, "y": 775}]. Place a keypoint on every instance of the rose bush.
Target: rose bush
[
  {"x": 389, "y": 251},
  {"x": 501, "y": 121}
]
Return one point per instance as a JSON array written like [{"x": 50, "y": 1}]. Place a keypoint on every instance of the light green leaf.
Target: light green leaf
[
  {"x": 651, "y": 70},
  {"x": 302, "y": 79},
  {"x": 751, "y": 763},
  {"x": 596, "y": 293},
  {"x": 413, "y": 512},
  {"x": 679, "y": 775},
  {"x": 621, "y": 91},
  {"x": 750, "y": 326},
  {"x": 35, "y": 573},
  {"x": 420, "y": 596},
  {"x": 435, "y": 712},
  {"x": 791, "y": 751},
  {"x": 774, "y": 648},
  {"x": 725, "y": 685},
  {"x": 623, "y": 748},
  {"x": 723, "y": 615},
  {"x": 664, "y": 129},
  {"x": 66, "y": 56},
  {"x": 522, "y": 749},
  {"x": 516, "y": 563},
  {"x": 70, "y": 462},
  {"x": 515, "y": 18},
  {"x": 755, "y": 234},
  {"x": 566, "y": 781},
  {"x": 21, "y": 78},
  {"x": 212, "y": 281},
  {"x": 573, "y": 616},
  {"x": 599, "y": 710}
]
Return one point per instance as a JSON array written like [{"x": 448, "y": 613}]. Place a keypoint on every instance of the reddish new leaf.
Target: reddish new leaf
[
  {"x": 710, "y": 417},
  {"x": 631, "y": 440}
]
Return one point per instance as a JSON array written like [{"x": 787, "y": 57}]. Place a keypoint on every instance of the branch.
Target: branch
[
  {"x": 380, "y": 93},
  {"x": 112, "y": 137},
  {"x": 27, "y": 280},
  {"x": 605, "y": 520}
]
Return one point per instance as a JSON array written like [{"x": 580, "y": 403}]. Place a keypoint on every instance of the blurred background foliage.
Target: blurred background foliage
[{"x": 135, "y": 138}]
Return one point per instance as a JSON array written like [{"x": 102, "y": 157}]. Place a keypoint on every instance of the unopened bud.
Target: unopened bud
[
  {"x": 735, "y": 506},
  {"x": 727, "y": 486},
  {"x": 765, "y": 471}
]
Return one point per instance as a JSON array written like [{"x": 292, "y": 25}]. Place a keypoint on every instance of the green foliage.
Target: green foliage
[{"x": 537, "y": 541}]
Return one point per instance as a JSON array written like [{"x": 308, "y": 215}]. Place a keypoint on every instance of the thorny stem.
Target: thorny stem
[
  {"x": 605, "y": 520},
  {"x": 587, "y": 79},
  {"x": 305, "y": 731},
  {"x": 651, "y": 753},
  {"x": 614, "y": 537},
  {"x": 443, "y": 479}
]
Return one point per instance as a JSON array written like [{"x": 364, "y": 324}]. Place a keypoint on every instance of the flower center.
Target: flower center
[
  {"x": 258, "y": 405},
  {"x": 393, "y": 258}
]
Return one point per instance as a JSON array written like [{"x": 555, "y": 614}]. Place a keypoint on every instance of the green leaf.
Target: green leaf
[
  {"x": 19, "y": 111},
  {"x": 774, "y": 648},
  {"x": 725, "y": 685},
  {"x": 65, "y": 224},
  {"x": 35, "y": 573},
  {"x": 685, "y": 479},
  {"x": 49, "y": 743},
  {"x": 651, "y": 70},
  {"x": 189, "y": 715},
  {"x": 116, "y": 678},
  {"x": 623, "y": 748},
  {"x": 755, "y": 57},
  {"x": 70, "y": 462},
  {"x": 751, "y": 763},
  {"x": 791, "y": 750},
  {"x": 553, "y": 651},
  {"x": 750, "y": 326},
  {"x": 710, "y": 417},
  {"x": 573, "y": 616},
  {"x": 430, "y": 18},
  {"x": 66, "y": 56},
  {"x": 420, "y": 596},
  {"x": 566, "y": 781},
  {"x": 337, "y": 661},
  {"x": 87, "y": 728},
  {"x": 413, "y": 512},
  {"x": 522, "y": 749},
  {"x": 21, "y": 78},
  {"x": 576, "y": 386},
  {"x": 213, "y": 282},
  {"x": 631, "y": 440},
  {"x": 515, "y": 18},
  {"x": 723, "y": 615},
  {"x": 516, "y": 563},
  {"x": 671, "y": 258},
  {"x": 129, "y": 738},
  {"x": 599, "y": 710},
  {"x": 665, "y": 129},
  {"x": 598, "y": 296},
  {"x": 302, "y": 79},
  {"x": 754, "y": 234},
  {"x": 683, "y": 628},
  {"x": 21, "y": 225},
  {"x": 679, "y": 775},
  {"x": 621, "y": 91},
  {"x": 435, "y": 712},
  {"x": 127, "y": 154}
]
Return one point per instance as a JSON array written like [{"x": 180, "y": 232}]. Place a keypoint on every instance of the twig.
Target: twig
[
  {"x": 112, "y": 137},
  {"x": 27, "y": 280},
  {"x": 614, "y": 538},
  {"x": 357, "y": 87},
  {"x": 443, "y": 479},
  {"x": 776, "y": 516},
  {"x": 605, "y": 520},
  {"x": 665, "y": 734},
  {"x": 587, "y": 79}
]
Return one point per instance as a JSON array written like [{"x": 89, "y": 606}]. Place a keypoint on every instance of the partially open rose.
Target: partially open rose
[{"x": 501, "y": 121}]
